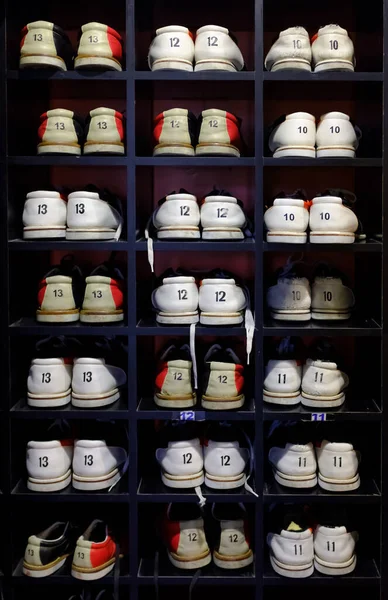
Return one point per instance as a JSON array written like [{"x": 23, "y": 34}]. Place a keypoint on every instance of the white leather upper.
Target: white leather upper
[
  {"x": 334, "y": 544},
  {"x": 44, "y": 208},
  {"x": 335, "y": 129},
  {"x": 176, "y": 294},
  {"x": 294, "y": 459},
  {"x": 283, "y": 547},
  {"x": 94, "y": 376},
  {"x": 322, "y": 378},
  {"x": 95, "y": 40},
  {"x": 58, "y": 293},
  {"x": 221, "y": 295},
  {"x": 178, "y": 378},
  {"x": 171, "y": 43},
  {"x": 60, "y": 127},
  {"x": 222, "y": 211},
  {"x": 93, "y": 458},
  {"x": 290, "y": 294},
  {"x": 337, "y": 460},
  {"x": 282, "y": 376},
  {"x": 332, "y": 43},
  {"x": 192, "y": 538},
  {"x": 87, "y": 209},
  {"x": 214, "y": 127},
  {"x": 297, "y": 130},
  {"x": 213, "y": 42},
  {"x": 48, "y": 460},
  {"x": 49, "y": 376},
  {"x": 103, "y": 126},
  {"x": 39, "y": 40},
  {"x": 178, "y": 209},
  {"x": 327, "y": 213},
  {"x": 330, "y": 293},
  {"x": 181, "y": 458},
  {"x": 232, "y": 540},
  {"x": 98, "y": 294},
  {"x": 287, "y": 214},
  {"x": 293, "y": 42},
  {"x": 225, "y": 459}
]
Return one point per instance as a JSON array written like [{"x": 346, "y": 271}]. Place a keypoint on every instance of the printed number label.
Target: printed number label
[
  {"x": 38, "y": 37},
  {"x": 289, "y": 217},
  {"x": 102, "y": 125},
  {"x": 334, "y": 44},
  {"x": 97, "y": 294},
  {"x": 325, "y": 216},
  {"x": 327, "y": 296},
  {"x": 43, "y": 461},
  {"x": 296, "y": 295},
  {"x": 335, "y": 129},
  {"x": 222, "y": 213},
  {"x": 298, "y": 44},
  {"x": 175, "y": 42},
  {"x": 93, "y": 39},
  {"x": 318, "y": 416},
  {"x": 182, "y": 294},
  {"x": 80, "y": 209},
  {"x": 81, "y": 555},
  {"x": 302, "y": 462},
  {"x": 220, "y": 296},
  {"x": 88, "y": 458},
  {"x": 282, "y": 378},
  {"x": 58, "y": 293},
  {"x": 212, "y": 41},
  {"x": 298, "y": 548},
  {"x": 46, "y": 377},
  {"x": 60, "y": 125},
  {"x": 187, "y": 415},
  {"x": 185, "y": 211},
  {"x": 331, "y": 546},
  {"x": 87, "y": 376},
  {"x": 42, "y": 209},
  {"x": 225, "y": 461},
  {"x": 337, "y": 461},
  {"x": 233, "y": 538},
  {"x": 175, "y": 124},
  {"x": 178, "y": 376},
  {"x": 187, "y": 458},
  {"x": 213, "y": 123},
  {"x": 318, "y": 377},
  {"x": 30, "y": 552},
  {"x": 223, "y": 378},
  {"x": 193, "y": 537},
  {"x": 302, "y": 129}
]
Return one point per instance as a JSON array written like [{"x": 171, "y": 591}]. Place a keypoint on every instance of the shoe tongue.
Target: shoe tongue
[
  {"x": 57, "y": 347},
  {"x": 174, "y": 352},
  {"x": 324, "y": 271},
  {"x": 96, "y": 532},
  {"x": 224, "y": 355},
  {"x": 108, "y": 270},
  {"x": 288, "y": 348},
  {"x": 184, "y": 512},
  {"x": 347, "y": 197},
  {"x": 294, "y": 527},
  {"x": 323, "y": 350},
  {"x": 170, "y": 272},
  {"x": 296, "y": 195}
]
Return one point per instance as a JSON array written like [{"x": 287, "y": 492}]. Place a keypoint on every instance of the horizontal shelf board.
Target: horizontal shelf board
[
  {"x": 246, "y": 245},
  {"x": 289, "y": 75},
  {"x": 34, "y": 74},
  {"x": 147, "y": 409},
  {"x": 368, "y": 492},
  {"x": 63, "y": 576},
  {"x": 50, "y": 245},
  {"x": 149, "y": 326},
  {"x": 366, "y": 572},
  {"x": 193, "y": 161},
  {"x": 28, "y": 326},
  {"x": 69, "y": 494},
  {"x": 68, "y": 161},
  {"x": 167, "y": 574},
  {"x": 21, "y": 410},
  {"x": 193, "y": 76},
  {"x": 367, "y": 246},
  {"x": 349, "y": 411},
  {"x": 323, "y": 162},
  {"x": 151, "y": 489},
  {"x": 352, "y": 327}
]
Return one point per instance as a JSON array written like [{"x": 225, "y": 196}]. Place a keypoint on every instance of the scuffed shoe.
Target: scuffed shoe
[
  {"x": 232, "y": 550},
  {"x": 44, "y": 45},
  {"x": 331, "y": 299},
  {"x": 61, "y": 132},
  {"x": 225, "y": 459},
  {"x": 288, "y": 218},
  {"x": 223, "y": 380},
  {"x": 283, "y": 374},
  {"x": 177, "y": 217},
  {"x": 180, "y": 456},
  {"x": 290, "y": 298},
  {"x": 93, "y": 214},
  {"x": 291, "y": 50},
  {"x": 222, "y": 217},
  {"x": 175, "y": 133},
  {"x": 97, "y": 466},
  {"x": 100, "y": 47},
  {"x": 184, "y": 537},
  {"x": 332, "y": 220},
  {"x": 293, "y": 135},
  {"x": 338, "y": 466},
  {"x": 104, "y": 296},
  {"x": 217, "y": 50},
  {"x": 104, "y": 132},
  {"x": 176, "y": 299},
  {"x": 337, "y": 136},
  {"x": 222, "y": 301},
  {"x": 59, "y": 294},
  {"x": 332, "y": 49},
  {"x": 219, "y": 134},
  {"x": 334, "y": 544},
  {"x": 95, "y": 553},
  {"x": 172, "y": 48},
  {"x": 173, "y": 382},
  {"x": 44, "y": 215},
  {"x": 46, "y": 552},
  {"x": 49, "y": 377},
  {"x": 49, "y": 465}
]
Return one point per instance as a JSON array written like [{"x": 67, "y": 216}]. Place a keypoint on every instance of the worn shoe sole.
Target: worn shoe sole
[
  {"x": 89, "y": 574},
  {"x": 49, "y": 485},
  {"x": 57, "y": 316},
  {"x": 233, "y": 562},
  {"x": 335, "y": 569},
  {"x": 211, "y": 403},
  {"x": 183, "y": 481},
  {"x": 174, "y": 402},
  {"x": 295, "y": 572},
  {"x": 94, "y": 316},
  {"x": 295, "y": 481},
  {"x": 44, "y": 570},
  {"x": 53, "y": 400},
  {"x": 342, "y": 485},
  {"x": 190, "y": 563},
  {"x": 94, "y": 400}
]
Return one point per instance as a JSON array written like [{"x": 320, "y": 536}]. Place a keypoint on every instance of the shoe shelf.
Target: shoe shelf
[
  {"x": 50, "y": 245},
  {"x": 322, "y": 162},
  {"x": 147, "y": 410},
  {"x": 149, "y": 326},
  {"x": 152, "y": 489},
  {"x": 246, "y": 245},
  {"x": 365, "y": 573},
  {"x": 21, "y": 492},
  {"x": 66, "y": 75},
  {"x": 367, "y": 493},
  {"x": 63, "y": 577},
  {"x": 28, "y": 326},
  {"x": 68, "y": 161},
  {"x": 352, "y": 327},
  {"x": 323, "y": 76},
  {"x": 118, "y": 410},
  {"x": 167, "y": 574},
  {"x": 349, "y": 411},
  {"x": 365, "y": 246},
  {"x": 200, "y": 76},
  {"x": 195, "y": 161}
]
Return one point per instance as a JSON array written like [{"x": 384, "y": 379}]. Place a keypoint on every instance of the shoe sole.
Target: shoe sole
[
  {"x": 211, "y": 403},
  {"x": 207, "y": 318},
  {"x": 90, "y": 234},
  {"x": 52, "y": 148},
  {"x": 89, "y": 574},
  {"x": 214, "y": 65},
  {"x": 283, "y": 399},
  {"x": 308, "y": 481},
  {"x": 281, "y": 237},
  {"x": 322, "y": 401},
  {"x": 35, "y": 233},
  {"x": 57, "y": 316},
  {"x": 46, "y": 570},
  {"x": 53, "y": 401},
  {"x": 192, "y": 563},
  {"x": 172, "y": 64},
  {"x": 288, "y": 315},
  {"x": 173, "y": 150},
  {"x": 340, "y": 569},
  {"x": 36, "y": 61},
  {"x": 224, "y": 483},
  {"x": 334, "y": 65},
  {"x": 217, "y": 150},
  {"x": 92, "y": 484},
  {"x": 97, "y": 62},
  {"x": 324, "y": 315},
  {"x": 49, "y": 485},
  {"x": 99, "y": 148},
  {"x": 335, "y": 152},
  {"x": 94, "y": 400},
  {"x": 222, "y": 233},
  {"x": 177, "y": 318},
  {"x": 175, "y": 402},
  {"x": 183, "y": 482},
  {"x": 232, "y": 562},
  {"x": 344, "y": 485},
  {"x": 295, "y": 64},
  {"x": 94, "y": 316},
  {"x": 179, "y": 233},
  {"x": 295, "y": 151},
  {"x": 331, "y": 237},
  {"x": 299, "y": 572}
]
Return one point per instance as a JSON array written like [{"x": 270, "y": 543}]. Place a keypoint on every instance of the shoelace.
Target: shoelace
[
  {"x": 249, "y": 322},
  {"x": 123, "y": 469},
  {"x": 150, "y": 242},
  {"x": 193, "y": 355},
  {"x": 251, "y": 466}
]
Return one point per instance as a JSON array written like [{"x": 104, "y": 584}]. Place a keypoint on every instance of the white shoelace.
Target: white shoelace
[
  {"x": 249, "y": 322},
  {"x": 193, "y": 355},
  {"x": 150, "y": 243},
  {"x": 202, "y": 499}
]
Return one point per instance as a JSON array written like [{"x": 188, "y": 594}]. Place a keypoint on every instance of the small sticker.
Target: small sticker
[
  {"x": 187, "y": 415},
  {"x": 318, "y": 416}
]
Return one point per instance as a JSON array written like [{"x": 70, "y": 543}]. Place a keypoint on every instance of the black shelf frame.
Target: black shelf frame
[{"x": 140, "y": 491}]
